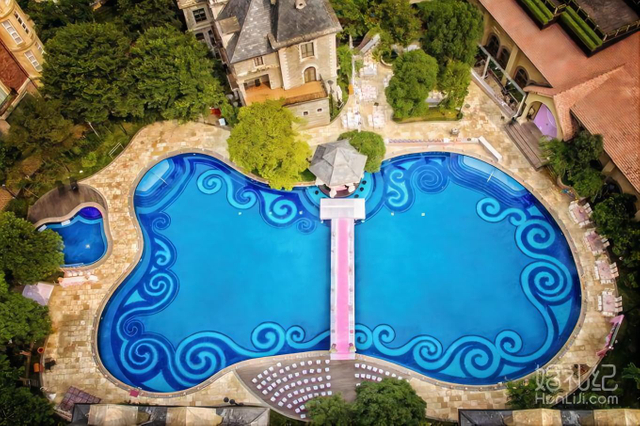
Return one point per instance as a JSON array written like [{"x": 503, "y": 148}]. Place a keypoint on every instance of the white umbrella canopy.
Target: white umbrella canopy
[
  {"x": 40, "y": 293},
  {"x": 113, "y": 415},
  {"x": 192, "y": 416}
]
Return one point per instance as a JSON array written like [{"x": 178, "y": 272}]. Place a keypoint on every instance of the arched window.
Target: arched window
[
  {"x": 521, "y": 78},
  {"x": 309, "y": 74},
  {"x": 503, "y": 57},
  {"x": 493, "y": 44}
]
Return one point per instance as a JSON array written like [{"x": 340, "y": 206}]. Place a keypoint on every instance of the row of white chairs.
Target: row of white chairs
[
  {"x": 271, "y": 384},
  {"x": 303, "y": 395},
  {"x": 271, "y": 371},
  {"x": 294, "y": 383},
  {"x": 380, "y": 371}
]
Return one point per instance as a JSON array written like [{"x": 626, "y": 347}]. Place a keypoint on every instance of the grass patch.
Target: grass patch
[
  {"x": 307, "y": 176},
  {"x": 539, "y": 10},
  {"x": 580, "y": 28},
  {"x": 433, "y": 114}
]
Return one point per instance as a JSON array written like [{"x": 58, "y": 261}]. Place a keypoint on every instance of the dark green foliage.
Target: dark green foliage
[
  {"x": 537, "y": 392},
  {"x": 389, "y": 402},
  {"x": 26, "y": 255},
  {"x": 22, "y": 320},
  {"x": 453, "y": 30},
  {"x": 344, "y": 61},
  {"x": 19, "y": 407},
  {"x": 84, "y": 70},
  {"x": 573, "y": 160},
  {"x": 454, "y": 83},
  {"x": 396, "y": 18},
  {"x": 332, "y": 410},
  {"x": 140, "y": 15},
  {"x": 370, "y": 144},
  {"x": 414, "y": 76},
  {"x": 49, "y": 16},
  {"x": 631, "y": 372},
  {"x": 264, "y": 142},
  {"x": 171, "y": 76},
  {"x": 575, "y": 23},
  {"x": 37, "y": 127}
]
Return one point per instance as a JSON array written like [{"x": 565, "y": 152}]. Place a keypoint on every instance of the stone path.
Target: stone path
[{"x": 74, "y": 309}]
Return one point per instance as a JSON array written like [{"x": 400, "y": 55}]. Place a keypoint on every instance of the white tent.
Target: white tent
[{"x": 40, "y": 292}]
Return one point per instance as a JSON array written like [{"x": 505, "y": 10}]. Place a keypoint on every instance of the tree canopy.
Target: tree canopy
[
  {"x": 49, "y": 15},
  {"x": 140, "y": 15},
  {"x": 21, "y": 407},
  {"x": 389, "y": 402},
  {"x": 22, "y": 320},
  {"x": 171, "y": 76},
  {"x": 264, "y": 142},
  {"x": 414, "y": 76},
  {"x": 453, "y": 29},
  {"x": 26, "y": 255},
  {"x": 399, "y": 19},
  {"x": 454, "y": 83},
  {"x": 38, "y": 127},
  {"x": 537, "y": 392},
  {"x": 370, "y": 144},
  {"x": 84, "y": 69}
]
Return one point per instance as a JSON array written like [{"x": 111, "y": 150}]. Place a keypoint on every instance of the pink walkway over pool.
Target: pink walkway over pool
[{"x": 342, "y": 213}]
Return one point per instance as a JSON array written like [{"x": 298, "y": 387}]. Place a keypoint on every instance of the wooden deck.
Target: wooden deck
[
  {"x": 527, "y": 138},
  {"x": 341, "y": 372},
  {"x": 61, "y": 201},
  {"x": 306, "y": 92}
]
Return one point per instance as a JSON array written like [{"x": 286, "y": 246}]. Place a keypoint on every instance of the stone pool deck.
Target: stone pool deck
[{"x": 74, "y": 309}]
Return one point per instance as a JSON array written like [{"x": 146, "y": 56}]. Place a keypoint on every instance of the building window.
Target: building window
[
  {"x": 39, "y": 47},
  {"x": 199, "y": 15},
  {"x": 12, "y": 32},
  {"x": 31, "y": 57},
  {"x": 305, "y": 113},
  {"x": 319, "y": 110},
  {"x": 493, "y": 45},
  {"x": 309, "y": 74},
  {"x": 200, "y": 36},
  {"x": 306, "y": 50},
  {"x": 3, "y": 95},
  {"x": 258, "y": 61},
  {"x": 503, "y": 57},
  {"x": 21, "y": 22},
  {"x": 521, "y": 78}
]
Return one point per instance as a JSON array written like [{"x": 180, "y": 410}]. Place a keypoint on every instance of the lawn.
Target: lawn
[{"x": 434, "y": 114}]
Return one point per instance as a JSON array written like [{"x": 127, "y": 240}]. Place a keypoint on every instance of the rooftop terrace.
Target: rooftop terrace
[{"x": 609, "y": 14}]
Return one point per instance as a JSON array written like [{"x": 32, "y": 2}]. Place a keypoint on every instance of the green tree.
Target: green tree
[
  {"x": 354, "y": 16},
  {"x": 414, "y": 76},
  {"x": 399, "y": 19},
  {"x": 587, "y": 182},
  {"x": 389, "y": 402},
  {"x": 454, "y": 83},
  {"x": 613, "y": 215},
  {"x": 537, "y": 392},
  {"x": 453, "y": 30},
  {"x": 330, "y": 410},
  {"x": 586, "y": 148},
  {"x": 140, "y": 15},
  {"x": 631, "y": 372},
  {"x": 26, "y": 255},
  {"x": 370, "y": 144},
  {"x": 22, "y": 320},
  {"x": 345, "y": 62},
  {"x": 171, "y": 76},
  {"x": 39, "y": 128},
  {"x": 49, "y": 15},
  {"x": 19, "y": 407},
  {"x": 265, "y": 143},
  {"x": 84, "y": 70}
]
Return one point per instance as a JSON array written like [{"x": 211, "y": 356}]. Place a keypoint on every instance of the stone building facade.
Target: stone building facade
[{"x": 273, "y": 49}]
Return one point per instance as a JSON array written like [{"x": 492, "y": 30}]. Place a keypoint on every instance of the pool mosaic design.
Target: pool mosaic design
[
  {"x": 461, "y": 274},
  {"x": 83, "y": 236}
]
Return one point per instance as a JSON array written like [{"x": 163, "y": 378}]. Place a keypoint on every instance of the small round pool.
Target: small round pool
[
  {"x": 83, "y": 236},
  {"x": 461, "y": 274}
]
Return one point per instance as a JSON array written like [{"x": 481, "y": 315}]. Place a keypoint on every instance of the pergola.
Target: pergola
[{"x": 338, "y": 166}]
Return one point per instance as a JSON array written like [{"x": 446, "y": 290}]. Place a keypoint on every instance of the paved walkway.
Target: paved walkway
[{"x": 74, "y": 309}]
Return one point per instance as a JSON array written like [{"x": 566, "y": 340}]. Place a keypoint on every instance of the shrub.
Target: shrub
[
  {"x": 370, "y": 144},
  {"x": 580, "y": 28},
  {"x": 454, "y": 83},
  {"x": 332, "y": 410},
  {"x": 535, "y": 392},
  {"x": 587, "y": 182},
  {"x": 539, "y": 10}
]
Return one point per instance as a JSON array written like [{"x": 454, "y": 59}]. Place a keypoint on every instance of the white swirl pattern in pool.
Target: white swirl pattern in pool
[{"x": 461, "y": 274}]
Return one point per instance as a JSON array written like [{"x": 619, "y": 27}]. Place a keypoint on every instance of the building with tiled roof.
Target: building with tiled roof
[
  {"x": 20, "y": 57},
  {"x": 273, "y": 49},
  {"x": 555, "y": 84}
]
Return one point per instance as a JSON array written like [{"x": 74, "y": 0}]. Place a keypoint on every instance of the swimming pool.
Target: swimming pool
[
  {"x": 461, "y": 274},
  {"x": 83, "y": 236}
]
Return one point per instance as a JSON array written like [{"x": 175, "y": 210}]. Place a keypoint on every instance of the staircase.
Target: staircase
[{"x": 527, "y": 136}]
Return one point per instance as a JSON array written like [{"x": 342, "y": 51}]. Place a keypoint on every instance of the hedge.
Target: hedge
[
  {"x": 539, "y": 10},
  {"x": 571, "y": 18}
]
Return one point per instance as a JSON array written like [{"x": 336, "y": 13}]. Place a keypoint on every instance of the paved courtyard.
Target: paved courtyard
[{"x": 74, "y": 309}]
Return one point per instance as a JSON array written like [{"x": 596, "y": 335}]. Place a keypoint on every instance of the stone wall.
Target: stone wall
[
  {"x": 247, "y": 70},
  {"x": 314, "y": 113}
]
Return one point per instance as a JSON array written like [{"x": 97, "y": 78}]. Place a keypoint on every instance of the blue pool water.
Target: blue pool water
[
  {"x": 461, "y": 274},
  {"x": 83, "y": 236}
]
